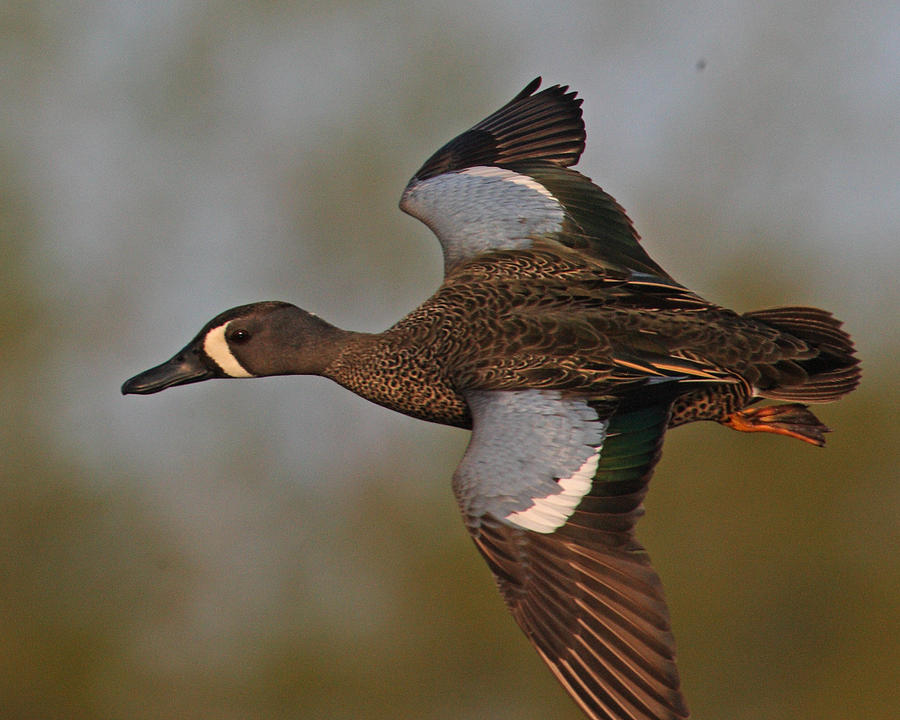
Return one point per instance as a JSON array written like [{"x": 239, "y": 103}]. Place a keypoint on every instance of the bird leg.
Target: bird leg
[{"x": 792, "y": 419}]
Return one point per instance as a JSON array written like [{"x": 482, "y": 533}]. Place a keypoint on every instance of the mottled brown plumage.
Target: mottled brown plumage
[{"x": 550, "y": 318}]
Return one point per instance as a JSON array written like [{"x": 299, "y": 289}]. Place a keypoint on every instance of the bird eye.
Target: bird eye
[{"x": 239, "y": 337}]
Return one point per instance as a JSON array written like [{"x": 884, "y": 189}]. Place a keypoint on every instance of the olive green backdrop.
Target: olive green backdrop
[{"x": 281, "y": 549}]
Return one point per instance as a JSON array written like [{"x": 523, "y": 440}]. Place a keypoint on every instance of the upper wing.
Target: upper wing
[
  {"x": 551, "y": 487},
  {"x": 506, "y": 181},
  {"x": 532, "y": 126}
]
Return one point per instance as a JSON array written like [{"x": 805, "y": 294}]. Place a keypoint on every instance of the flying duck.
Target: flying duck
[{"x": 568, "y": 352}]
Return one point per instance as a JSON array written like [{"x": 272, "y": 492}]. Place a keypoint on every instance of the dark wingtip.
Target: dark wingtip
[
  {"x": 545, "y": 126},
  {"x": 529, "y": 89}
]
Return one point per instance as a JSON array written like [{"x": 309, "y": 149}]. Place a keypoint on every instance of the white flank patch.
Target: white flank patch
[
  {"x": 509, "y": 176},
  {"x": 216, "y": 346},
  {"x": 550, "y": 513}
]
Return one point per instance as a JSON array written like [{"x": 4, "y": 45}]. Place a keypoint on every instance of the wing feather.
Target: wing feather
[
  {"x": 545, "y": 125},
  {"x": 534, "y": 139},
  {"x": 585, "y": 594}
]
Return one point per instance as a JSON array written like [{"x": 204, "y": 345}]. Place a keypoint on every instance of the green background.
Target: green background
[{"x": 280, "y": 548}]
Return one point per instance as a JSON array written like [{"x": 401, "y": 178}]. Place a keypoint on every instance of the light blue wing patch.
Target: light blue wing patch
[
  {"x": 531, "y": 458},
  {"x": 481, "y": 209}
]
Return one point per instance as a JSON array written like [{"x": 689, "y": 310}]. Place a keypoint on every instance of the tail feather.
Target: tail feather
[{"x": 832, "y": 372}]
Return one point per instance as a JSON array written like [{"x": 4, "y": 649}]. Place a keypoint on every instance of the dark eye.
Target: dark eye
[{"x": 239, "y": 337}]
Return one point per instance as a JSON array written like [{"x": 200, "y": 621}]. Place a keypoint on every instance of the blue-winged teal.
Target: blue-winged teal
[{"x": 568, "y": 351}]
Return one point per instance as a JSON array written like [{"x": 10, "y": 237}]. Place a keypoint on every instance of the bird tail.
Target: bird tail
[{"x": 831, "y": 371}]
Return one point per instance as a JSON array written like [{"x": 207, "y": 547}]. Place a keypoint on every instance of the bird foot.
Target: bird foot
[{"x": 793, "y": 419}]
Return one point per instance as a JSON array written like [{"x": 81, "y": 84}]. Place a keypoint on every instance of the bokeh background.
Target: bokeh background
[{"x": 280, "y": 548}]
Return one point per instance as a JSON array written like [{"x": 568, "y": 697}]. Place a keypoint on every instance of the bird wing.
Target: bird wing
[
  {"x": 551, "y": 487},
  {"x": 545, "y": 125},
  {"x": 506, "y": 181}
]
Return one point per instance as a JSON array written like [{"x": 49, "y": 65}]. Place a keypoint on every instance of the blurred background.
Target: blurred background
[{"x": 280, "y": 548}]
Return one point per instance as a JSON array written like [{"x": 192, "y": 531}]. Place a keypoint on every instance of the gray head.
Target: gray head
[{"x": 265, "y": 338}]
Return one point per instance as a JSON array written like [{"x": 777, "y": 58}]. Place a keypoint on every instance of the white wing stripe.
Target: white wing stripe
[
  {"x": 508, "y": 176},
  {"x": 549, "y": 513}
]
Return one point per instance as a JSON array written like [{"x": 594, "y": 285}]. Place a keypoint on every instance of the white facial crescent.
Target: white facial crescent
[{"x": 216, "y": 346}]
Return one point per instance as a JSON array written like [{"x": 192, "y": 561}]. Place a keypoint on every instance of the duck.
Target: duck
[{"x": 568, "y": 352}]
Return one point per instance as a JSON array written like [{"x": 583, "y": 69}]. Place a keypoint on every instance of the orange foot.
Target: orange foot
[{"x": 793, "y": 420}]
